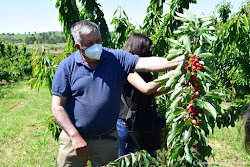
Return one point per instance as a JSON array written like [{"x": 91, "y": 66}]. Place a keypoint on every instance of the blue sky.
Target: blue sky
[{"x": 20, "y": 16}]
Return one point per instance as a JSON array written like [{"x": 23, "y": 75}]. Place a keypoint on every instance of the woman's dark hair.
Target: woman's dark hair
[
  {"x": 138, "y": 44},
  {"x": 247, "y": 131}
]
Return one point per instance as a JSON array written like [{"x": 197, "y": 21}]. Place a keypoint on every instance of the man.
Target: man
[{"x": 86, "y": 91}]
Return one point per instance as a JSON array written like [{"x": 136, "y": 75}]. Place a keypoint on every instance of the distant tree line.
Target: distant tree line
[
  {"x": 45, "y": 38},
  {"x": 40, "y": 38}
]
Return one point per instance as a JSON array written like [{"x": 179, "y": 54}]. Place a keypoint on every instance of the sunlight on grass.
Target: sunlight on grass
[{"x": 24, "y": 141}]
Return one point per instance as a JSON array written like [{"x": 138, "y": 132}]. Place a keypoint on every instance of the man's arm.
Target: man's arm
[
  {"x": 157, "y": 64},
  {"x": 62, "y": 118}
]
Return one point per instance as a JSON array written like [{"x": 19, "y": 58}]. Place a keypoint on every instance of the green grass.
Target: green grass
[
  {"x": 49, "y": 47},
  {"x": 228, "y": 146},
  {"x": 24, "y": 140}
]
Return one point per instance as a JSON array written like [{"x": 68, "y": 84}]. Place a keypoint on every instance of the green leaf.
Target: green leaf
[
  {"x": 187, "y": 133},
  {"x": 163, "y": 78},
  {"x": 172, "y": 133},
  {"x": 188, "y": 156},
  {"x": 175, "y": 93},
  {"x": 206, "y": 23},
  {"x": 146, "y": 161},
  {"x": 197, "y": 51},
  {"x": 203, "y": 136},
  {"x": 189, "y": 15},
  {"x": 170, "y": 81},
  {"x": 200, "y": 103},
  {"x": 175, "y": 102},
  {"x": 175, "y": 52},
  {"x": 208, "y": 76},
  {"x": 210, "y": 28},
  {"x": 170, "y": 118},
  {"x": 209, "y": 37},
  {"x": 127, "y": 161},
  {"x": 205, "y": 54},
  {"x": 217, "y": 106},
  {"x": 187, "y": 43},
  {"x": 208, "y": 69},
  {"x": 210, "y": 109},
  {"x": 200, "y": 75},
  {"x": 246, "y": 22},
  {"x": 174, "y": 42},
  {"x": 133, "y": 157}
]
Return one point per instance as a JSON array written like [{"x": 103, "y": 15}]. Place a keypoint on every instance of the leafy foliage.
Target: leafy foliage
[
  {"x": 192, "y": 86},
  {"x": 69, "y": 14},
  {"x": 231, "y": 53},
  {"x": 15, "y": 62},
  {"x": 91, "y": 11},
  {"x": 192, "y": 108},
  {"x": 44, "y": 66},
  {"x": 122, "y": 29},
  {"x": 224, "y": 9},
  {"x": 140, "y": 158}
]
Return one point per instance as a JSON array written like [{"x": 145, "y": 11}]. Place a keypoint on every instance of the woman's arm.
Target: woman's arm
[{"x": 146, "y": 88}]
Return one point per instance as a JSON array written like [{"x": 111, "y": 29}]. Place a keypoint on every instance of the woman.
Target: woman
[{"x": 138, "y": 93}]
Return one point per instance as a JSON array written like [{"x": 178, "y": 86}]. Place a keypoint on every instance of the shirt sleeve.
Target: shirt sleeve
[
  {"x": 128, "y": 61},
  {"x": 60, "y": 83}
]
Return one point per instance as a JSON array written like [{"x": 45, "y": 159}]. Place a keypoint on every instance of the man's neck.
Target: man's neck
[{"x": 91, "y": 62}]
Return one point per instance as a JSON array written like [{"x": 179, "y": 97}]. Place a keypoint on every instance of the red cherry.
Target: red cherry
[
  {"x": 197, "y": 93},
  {"x": 193, "y": 121},
  {"x": 193, "y": 78},
  {"x": 196, "y": 85},
  {"x": 196, "y": 60},
  {"x": 191, "y": 110},
  {"x": 195, "y": 145},
  {"x": 193, "y": 56},
  {"x": 187, "y": 117},
  {"x": 198, "y": 68},
  {"x": 197, "y": 64},
  {"x": 194, "y": 68},
  {"x": 192, "y": 97},
  {"x": 191, "y": 59},
  {"x": 193, "y": 114},
  {"x": 188, "y": 71},
  {"x": 198, "y": 122},
  {"x": 188, "y": 107}
]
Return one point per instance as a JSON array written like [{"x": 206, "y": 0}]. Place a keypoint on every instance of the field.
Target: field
[
  {"x": 23, "y": 36},
  {"x": 24, "y": 140}
]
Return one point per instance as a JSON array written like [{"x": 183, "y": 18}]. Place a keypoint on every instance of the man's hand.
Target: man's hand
[{"x": 80, "y": 146}]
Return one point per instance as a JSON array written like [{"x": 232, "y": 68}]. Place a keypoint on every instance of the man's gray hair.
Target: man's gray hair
[{"x": 82, "y": 27}]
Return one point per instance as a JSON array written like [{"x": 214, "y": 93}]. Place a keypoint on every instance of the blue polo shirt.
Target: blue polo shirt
[{"x": 93, "y": 95}]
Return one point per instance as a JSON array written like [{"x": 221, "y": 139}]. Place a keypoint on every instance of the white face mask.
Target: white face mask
[{"x": 94, "y": 52}]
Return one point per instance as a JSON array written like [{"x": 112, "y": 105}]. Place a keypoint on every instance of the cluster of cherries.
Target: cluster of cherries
[
  {"x": 193, "y": 82},
  {"x": 195, "y": 64}
]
